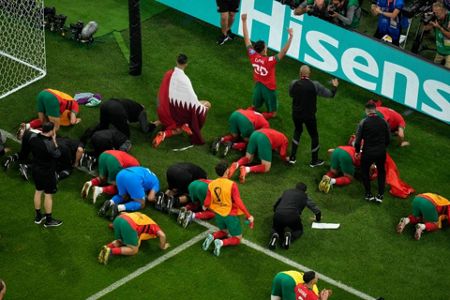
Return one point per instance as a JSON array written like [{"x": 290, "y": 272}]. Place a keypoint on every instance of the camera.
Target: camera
[
  {"x": 428, "y": 17},
  {"x": 293, "y": 4},
  {"x": 75, "y": 30},
  {"x": 52, "y": 21},
  {"x": 417, "y": 8}
]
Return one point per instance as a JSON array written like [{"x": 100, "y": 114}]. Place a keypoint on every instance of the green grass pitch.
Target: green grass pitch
[{"x": 364, "y": 253}]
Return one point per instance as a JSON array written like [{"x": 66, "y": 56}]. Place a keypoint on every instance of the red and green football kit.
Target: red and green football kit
[
  {"x": 266, "y": 140},
  {"x": 302, "y": 292},
  {"x": 263, "y": 68},
  {"x": 258, "y": 121},
  {"x": 430, "y": 209},
  {"x": 393, "y": 118}
]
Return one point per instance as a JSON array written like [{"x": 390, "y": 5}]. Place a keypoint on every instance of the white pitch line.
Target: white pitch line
[
  {"x": 147, "y": 267},
  {"x": 296, "y": 265},
  {"x": 189, "y": 243}
]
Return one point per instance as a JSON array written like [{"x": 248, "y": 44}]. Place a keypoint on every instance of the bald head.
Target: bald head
[{"x": 305, "y": 71}]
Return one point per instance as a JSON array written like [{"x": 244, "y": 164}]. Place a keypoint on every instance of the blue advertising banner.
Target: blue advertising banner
[{"x": 372, "y": 65}]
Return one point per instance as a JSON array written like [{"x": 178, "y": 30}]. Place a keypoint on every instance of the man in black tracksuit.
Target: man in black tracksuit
[
  {"x": 288, "y": 210},
  {"x": 375, "y": 133},
  {"x": 45, "y": 152},
  {"x": 304, "y": 94}
]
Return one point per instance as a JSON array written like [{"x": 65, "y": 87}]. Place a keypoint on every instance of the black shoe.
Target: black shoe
[
  {"x": 10, "y": 160},
  {"x": 83, "y": 159},
  {"x": 23, "y": 170},
  {"x": 273, "y": 241},
  {"x": 91, "y": 163},
  {"x": 292, "y": 160},
  {"x": 53, "y": 223},
  {"x": 215, "y": 146},
  {"x": 105, "y": 207},
  {"x": 151, "y": 128},
  {"x": 39, "y": 219},
  {"x": 226, "y": 150},
  {"x": 114, "y": 212},
  {"x": 287, "y": 240},
  {"x": 223, "y": 39},
  {"x": 63, "y": 174},
  {"x": 231, "y": 35},
  {"x": 169, "y": 204},
  {"x": 369, "y": 197},
  {"x": 316, "y": 163},
  {"x": 159, "y": 200},
  {"x": 379, "y": 198}
]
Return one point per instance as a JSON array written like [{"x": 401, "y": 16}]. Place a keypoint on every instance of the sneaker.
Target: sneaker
[
  {"x": 53, "y": 223},
  {"x": 164, "y": 203},
  {"x": 207, "y": 242},
  {"x": 223, "y": 39},
  {"x": 85, "y": 190},
  {"x": 105, "y": 207},
  {"x": 230, "y": 35},
  {"x": 114, "y": 212},
  {"x": 217, "y": 246},
  {"x": 316, "y": 163},
  {"x": 234, "y": 166},
  {"x": 82, "y": 161},
  {"x": 91, "y": 163},
  {"x": 401, "y": 225},
  {"x": 10, "y": 160},
  {"x": 215, "y": 146},
  {"x": 21, "y": 131},
  {"x": 39, "y": 219},
  {"x": 159, "y": 200},
  {"x": 326, "y": 184},
  {"x": 292, "y": 160},
  {"x": 188, "y": 217},
  {"x": 379, "y": 198},
  {"x": 273, "y": 241},
  {"x": 418, "y": 233},
  {"x": 101, "y": 255},
  {"x": 242, "y": 174},
  {"x": 287, "y": 240},
  {"x": 63, "y": 174},
  {"x": 181, "y": 215},
  {"x": 104, "y": 255},
  {"x": 96, "y": 192},
  {"x": 185, "y": 127},
  {"x": 23, "y": 170},
  {"x": 227, "y": 148},
  {"x": 159, "y": 138},
  {"x": 369, "y": 197},
  {"x": 169, "y": 204}
]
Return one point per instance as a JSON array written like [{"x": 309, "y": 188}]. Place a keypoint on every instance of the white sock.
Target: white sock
[
  {"x": 121, "y": 207},
  {"x": 422, "y": 226},
  {"x": 193, "y": 216},
  {"x": 333, "y": 181},
  {"x": 406, "y": 220},
  {"x": 247, "y": 169}
]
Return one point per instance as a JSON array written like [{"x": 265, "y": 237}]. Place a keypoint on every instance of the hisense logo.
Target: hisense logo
[{"x": 369, "y": 64}]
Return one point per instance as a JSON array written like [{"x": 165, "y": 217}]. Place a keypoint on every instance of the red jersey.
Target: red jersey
[
  {"x": 302, "y": 292},
  {"x": 237, "y": 204},
  {"x": 66, "y": 102},
  {"x": 393, "y": 118},
  {"x": 351, "y": 151},
  {"x": 125, "y": 160},
  {"x": 263, "y": 68},
  {"x": 255, "y": 118},
  {"x": 278, "y": 141}
]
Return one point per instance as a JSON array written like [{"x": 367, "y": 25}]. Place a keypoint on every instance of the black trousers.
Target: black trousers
[
  {"x": 366, "y": 162},
  {"x": 287, "y": 219},
  {"x": 311, "y": 127}
]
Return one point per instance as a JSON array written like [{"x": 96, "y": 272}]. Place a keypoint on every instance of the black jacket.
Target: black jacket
[
  {"x": 294, "y": 201},
  {"x": 376, "y": 135}
]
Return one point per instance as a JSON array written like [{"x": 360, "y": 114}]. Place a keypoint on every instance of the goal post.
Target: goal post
[{"x": 22, "y": 44}]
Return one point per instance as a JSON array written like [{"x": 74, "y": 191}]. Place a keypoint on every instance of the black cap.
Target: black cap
[
  {"x": 308, "y": 276},
  {"x": 301, "y": 186},
  {"x": 47, "y": 126}
]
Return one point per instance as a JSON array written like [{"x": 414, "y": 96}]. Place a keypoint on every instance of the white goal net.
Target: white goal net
[{"x": 22, "y": 44}]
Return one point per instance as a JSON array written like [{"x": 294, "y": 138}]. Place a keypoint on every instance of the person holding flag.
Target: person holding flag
[{"x": 224, "y": 200}]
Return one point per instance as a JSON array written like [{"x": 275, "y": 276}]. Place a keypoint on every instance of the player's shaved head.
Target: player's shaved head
[{"x": 305, "y": 71}]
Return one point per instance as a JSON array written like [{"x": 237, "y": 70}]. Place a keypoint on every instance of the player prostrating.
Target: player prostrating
[
  {"x": 224, "y": 199},
  {"x": 264, "y": 71}
]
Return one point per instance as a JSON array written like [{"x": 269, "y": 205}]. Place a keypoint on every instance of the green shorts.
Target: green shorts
[
  {"x": 108, "y": 166},
  {"x": 240, "y": 125},
  {"x": 197, "y": 191},
  {"x": 48, "y": 104},
  {"x": 232, "y": 223},
  {"x": 263, "y": 95},
  {"x": 342, "y": 161},
  {"x": 260, "y": 143},
  {"x": 283, "y": 286},
  {"x": 424, "y": 208},
  {"x": 124, "y": 232}
]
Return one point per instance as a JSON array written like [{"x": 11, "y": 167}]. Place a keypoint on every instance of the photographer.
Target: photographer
[
  {"x": 388, "y": 13},
  {"x": 441, "y": 25},
  {"x": 346, "y": 13},
  {"x": 316, "y": 8}
]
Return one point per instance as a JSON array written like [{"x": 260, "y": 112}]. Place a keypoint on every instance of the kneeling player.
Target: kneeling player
[
  {"x": 396, "y": 123},
  {"x": 263, "y": 142},
  {"x": 193, "y": 210},
  {"x": 306, "y": 291},
  {"x": 223, "y": 198},
  {"x": 135, "y": 186},
  {"x": 284, "y": 283},
  {"x": 242, "y": 123},
  {"x": 110, "y": 163},
  {"x": 129, "y": 230},
  {"x": 429, "y": 210}
]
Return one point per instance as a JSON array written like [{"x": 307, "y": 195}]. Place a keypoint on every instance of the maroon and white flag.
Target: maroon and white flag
[{"x": 178, "y": 104}]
